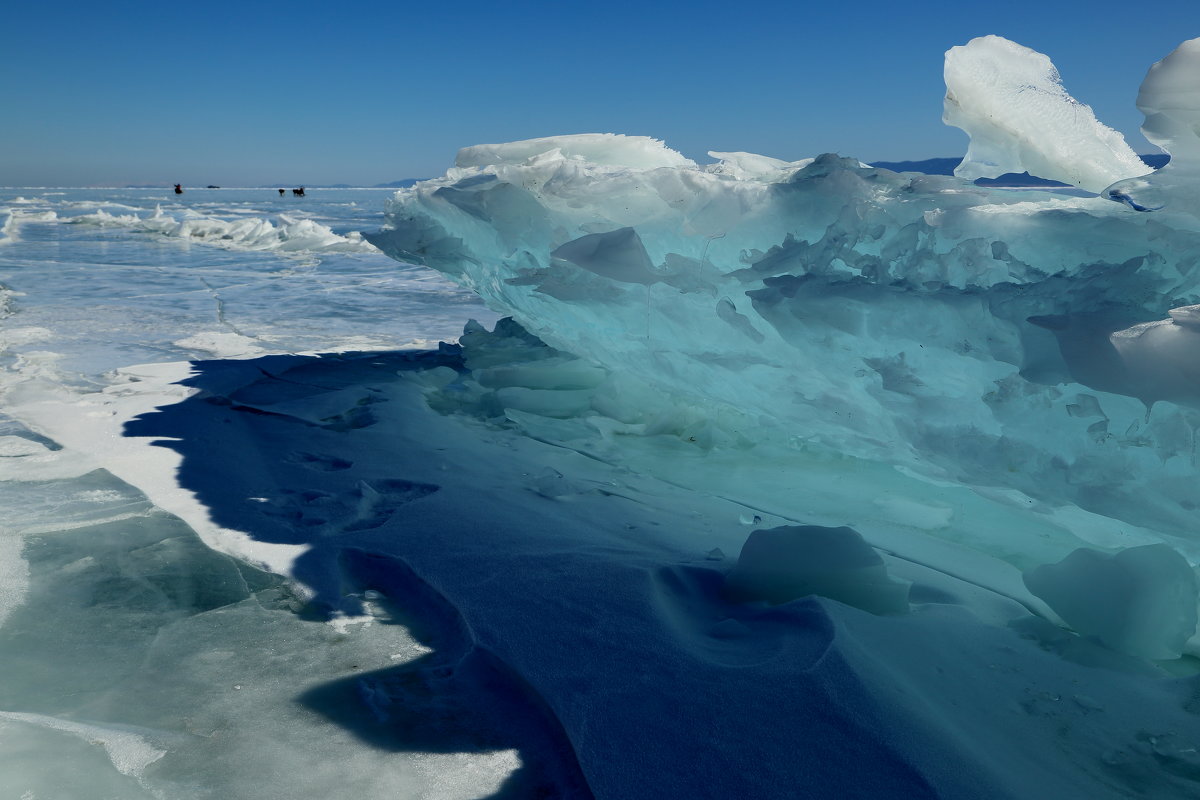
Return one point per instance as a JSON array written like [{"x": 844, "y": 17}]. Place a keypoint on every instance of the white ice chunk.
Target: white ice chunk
[
  {"x": 1186, "y": 315},
  {"x": 1152, "y": 361},
  {"x": 1140, "y": 601},
  {"x": 1170, "y": 99},
  {"x": 1011, "y": 102},
  {"x": 794, "y": 561},
  {"x": 751, "y": 166},
  {"x": 11, "y": 220},
  {"x": 1162, "y": 358},
  {"x": 285, "y": 235},
  {"x": 609, "y": 149}
]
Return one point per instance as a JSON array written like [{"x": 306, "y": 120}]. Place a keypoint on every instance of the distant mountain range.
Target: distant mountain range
[{"x": 945, "y": 166}]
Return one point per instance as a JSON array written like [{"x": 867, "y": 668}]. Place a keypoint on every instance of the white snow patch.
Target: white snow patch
[
  {"x": 222, "y": 344},
  {"x": 91, "y": 428}
]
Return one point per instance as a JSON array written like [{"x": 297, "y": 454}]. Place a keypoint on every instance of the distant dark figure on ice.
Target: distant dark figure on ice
[
  {"x": 178, "y": 188},
  {"x": 298, "y": 192},
  {"x": 281, "y": 192}
]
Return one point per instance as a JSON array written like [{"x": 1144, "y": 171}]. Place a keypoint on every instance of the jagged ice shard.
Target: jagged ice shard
[{"x": 1011, "y": 102}]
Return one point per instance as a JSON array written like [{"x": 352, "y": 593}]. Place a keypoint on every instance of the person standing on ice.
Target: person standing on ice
[{"x": 178, "y": 188}]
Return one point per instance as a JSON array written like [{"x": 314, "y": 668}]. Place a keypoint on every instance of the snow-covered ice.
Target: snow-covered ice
[{"x": 775, "y": 478}]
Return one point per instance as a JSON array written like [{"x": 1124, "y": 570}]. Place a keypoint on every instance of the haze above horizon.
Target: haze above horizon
[{"x": 272, "y": 93}]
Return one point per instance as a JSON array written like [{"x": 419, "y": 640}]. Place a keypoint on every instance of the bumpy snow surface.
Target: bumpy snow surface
[{"x": 777, "y": 479}]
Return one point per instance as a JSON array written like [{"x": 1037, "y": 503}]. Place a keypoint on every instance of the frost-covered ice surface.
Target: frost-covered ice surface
[{"x": 786, "y": 478}]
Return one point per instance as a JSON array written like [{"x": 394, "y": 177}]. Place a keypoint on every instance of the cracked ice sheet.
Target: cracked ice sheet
[{"x": 190, "y": 692}]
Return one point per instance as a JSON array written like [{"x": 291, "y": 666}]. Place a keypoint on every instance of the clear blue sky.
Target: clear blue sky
[{"x": 367, "y": 92}]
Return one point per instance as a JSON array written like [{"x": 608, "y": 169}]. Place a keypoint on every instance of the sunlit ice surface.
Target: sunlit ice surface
[{"x": 783, "y": 477}]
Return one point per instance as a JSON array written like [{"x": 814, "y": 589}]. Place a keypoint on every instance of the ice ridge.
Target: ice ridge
[
  {"x": 835, "y": 308},
  {"x": 284, "y": 234}
]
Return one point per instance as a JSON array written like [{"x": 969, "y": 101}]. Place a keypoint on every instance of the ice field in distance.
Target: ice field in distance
[{"x": 783, "y": 479}]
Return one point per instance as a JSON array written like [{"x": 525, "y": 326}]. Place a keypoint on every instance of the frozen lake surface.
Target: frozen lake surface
[
  {"x": 116, "y": 277},
  {"x": 775, "y": 479}
]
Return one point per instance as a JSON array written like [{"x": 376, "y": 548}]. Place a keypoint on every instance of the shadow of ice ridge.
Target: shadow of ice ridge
[
  {"x": 457, "y": 698},
  {"x": 264, "y": 449},
  {"x": 557, "y": 633},
  {"x": 576, "y": 622}
]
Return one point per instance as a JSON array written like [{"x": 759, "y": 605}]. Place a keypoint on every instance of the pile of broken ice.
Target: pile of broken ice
[{"x": 1039, "y": 347}]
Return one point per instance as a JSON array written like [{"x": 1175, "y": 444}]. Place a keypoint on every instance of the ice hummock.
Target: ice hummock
[
  {"x": 610, "y": 149},
  {"x": 283, "y": 234}
]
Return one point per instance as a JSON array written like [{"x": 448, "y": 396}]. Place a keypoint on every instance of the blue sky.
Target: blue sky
[{"x": 368, "y": 92}]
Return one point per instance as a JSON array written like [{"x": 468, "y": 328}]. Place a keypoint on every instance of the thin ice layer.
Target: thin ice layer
[{"x": 1011, "y": 102}]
